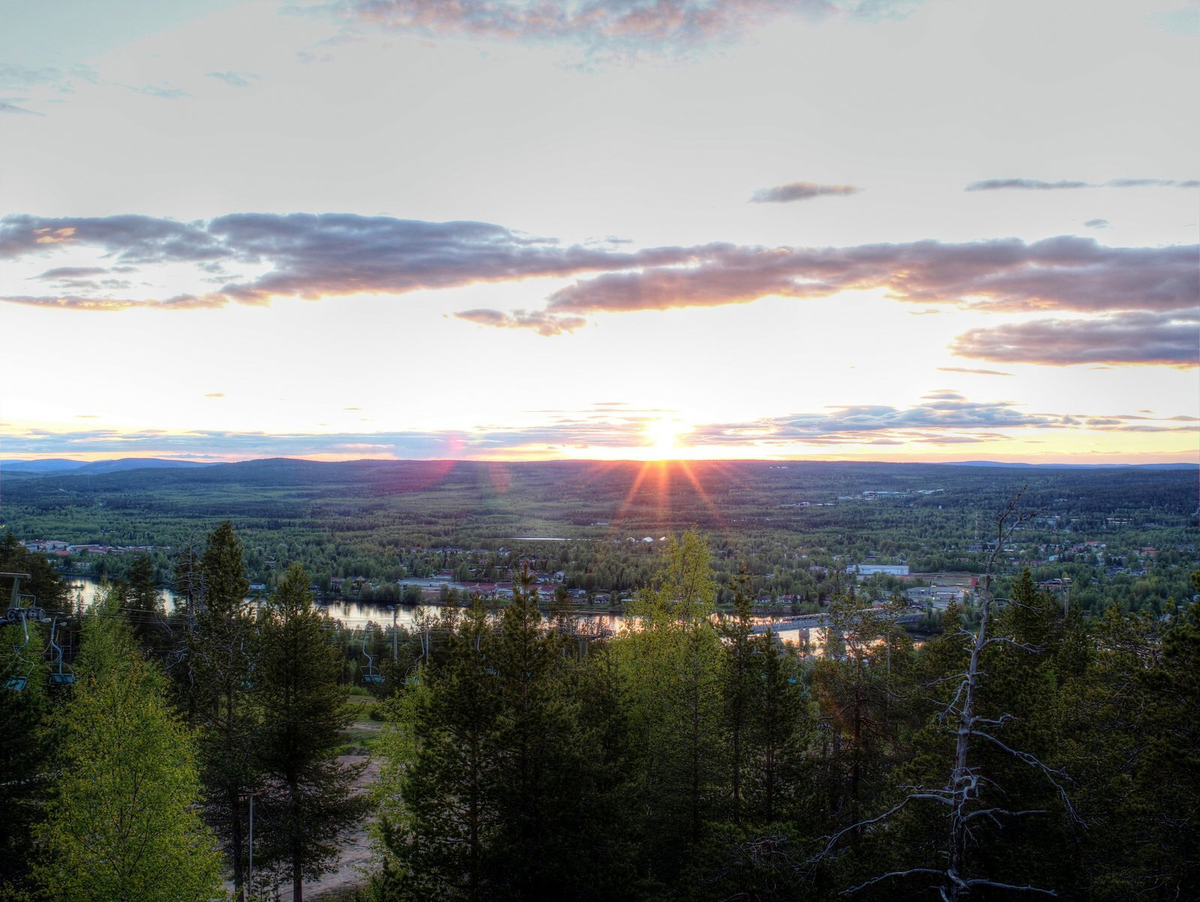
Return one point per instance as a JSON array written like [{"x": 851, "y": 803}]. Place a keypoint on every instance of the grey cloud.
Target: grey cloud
[
  {"x": 959, "y": 369},
  {"x": 605, "y": 29},
  {"x": 318, "y": 255},
  {"x": 957, "y": 421},
  {"x": 541, "y": 322},
  {"x": 1024, "y": 184},
  {"x": 1039, "y": 185},
  {"x": 208, "y": 444},
  {"x": 235, "y": 79},
  {"x": 157, "y": 91},
  {"x": 129, "y": 239},
  {"x": 1097, "y": 224},
  {"x": 786, "y": 194},
  {"x": 942, "y": 395},
  {"x": 1007, "y": 274},
  {"x": 6, "y": 107},
  {"x": 313, "y": 256},
  {"x": 82, "y": 302},
  {"x": 1138, "y": 337},
  {"x": 848, "y": 424},
  {"x": 12, "y": 76},
  {"x": 72, "y": 272},
  {"x": 1152, "y": 183}
]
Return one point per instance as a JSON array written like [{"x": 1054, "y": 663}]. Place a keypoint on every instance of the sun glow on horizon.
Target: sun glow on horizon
[{"x": 663, "y": 436}]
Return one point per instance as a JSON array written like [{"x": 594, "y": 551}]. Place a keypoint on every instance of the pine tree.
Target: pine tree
[
  {"x": 739, "y": 689},
  {"x": 143, "y": 605},
  {"x": 671, "y": 674},
  {"x": 1167, "y": 782},
  {"x": 307, "y": 801},
  {"x": 536, "y": 752},
  {"x": 124, "y": 825},
  {"x": 220, "y": 672},
  {"x": 437, "y": 815},
  {"x": 25, "y": 744}
]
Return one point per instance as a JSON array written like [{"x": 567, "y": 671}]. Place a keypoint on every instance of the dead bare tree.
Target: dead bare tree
[{"x": 961, "y": 794}]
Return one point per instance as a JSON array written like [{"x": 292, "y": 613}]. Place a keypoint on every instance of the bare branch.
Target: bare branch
[
  {"x": 1033, "y": 649},
  {"x": 1050, "y": 773},
  {"x": 992, "y": 812},
  {"x": 888, "y": 876},
  {"x": 1021, "y": 889},
  {"x": 935, "y": 795}
]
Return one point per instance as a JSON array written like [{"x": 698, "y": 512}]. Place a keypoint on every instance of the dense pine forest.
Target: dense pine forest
[{"x": 1029, "y": 748}]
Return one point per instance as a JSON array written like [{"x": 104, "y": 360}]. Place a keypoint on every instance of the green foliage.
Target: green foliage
[
  {"x": 307, "y": 802},
  {"x": 216, "y": 685},
  {"x": 671, "y": 670},
  {"x": 123, "y": 822}
]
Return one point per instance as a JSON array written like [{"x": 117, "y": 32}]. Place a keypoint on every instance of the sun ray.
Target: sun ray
[{"x": 685, "y": 466}]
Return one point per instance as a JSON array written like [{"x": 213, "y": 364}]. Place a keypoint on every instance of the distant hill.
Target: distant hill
[
  {"x": 60, "y": 466},
  {"x": 52, "y": 465},
  {"x": 997, "y": 463}
]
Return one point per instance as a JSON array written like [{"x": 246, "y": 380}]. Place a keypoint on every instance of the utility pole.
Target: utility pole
[
  {"x": 250, "y": 869},
  {"x": 395, "y": 613}
]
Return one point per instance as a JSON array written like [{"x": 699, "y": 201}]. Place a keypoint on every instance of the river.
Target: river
[{"x": 356, "y": 615}]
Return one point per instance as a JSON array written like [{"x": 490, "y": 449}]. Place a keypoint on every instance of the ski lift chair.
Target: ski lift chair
[
  {"x": 23, "y": 666},
  {"x": 18, "y": 612},
  {"x": 371, "y": 674},
  {"x": 64, "y": 675}
]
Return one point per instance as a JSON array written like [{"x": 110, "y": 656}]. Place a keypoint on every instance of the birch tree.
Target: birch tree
[{"x": 124, "y": 822}]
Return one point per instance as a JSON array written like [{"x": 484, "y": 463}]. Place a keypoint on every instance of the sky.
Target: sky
[{"x": 612, "y": 229}]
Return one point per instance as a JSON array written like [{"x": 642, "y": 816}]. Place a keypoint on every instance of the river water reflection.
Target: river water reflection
[{"x": 356, "y": 615}]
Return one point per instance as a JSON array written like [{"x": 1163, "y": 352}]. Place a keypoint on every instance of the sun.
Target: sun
[{"x": 663, "y": 436}]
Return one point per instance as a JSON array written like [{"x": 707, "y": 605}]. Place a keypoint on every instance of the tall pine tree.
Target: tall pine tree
[{"x": 307, "y": 802}]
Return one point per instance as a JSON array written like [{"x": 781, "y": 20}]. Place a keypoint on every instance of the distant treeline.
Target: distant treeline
[{"x": 796, "y": 527}]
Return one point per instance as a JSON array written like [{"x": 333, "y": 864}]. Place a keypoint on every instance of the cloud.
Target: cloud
[
  {"x": 1169, "y": 339},
  {"x": 1097, "y": 224},
  {"x": 128, "y": 239},
  {"x": 312, "y": 256},
  {"x": 959, "y": 369},
  {"x": 841, "y": 425},
  {"x": 943, "y": 418},
  {"x": 158, "y": 91},
  {"x": 78, "y": 302},
  {"x": 541, "y": 322},
  {"x": 235, "y": 79},
  {"x": 786, "y": 194},
  {"x": 952, "y": 419},
  {"x": 327, "y": 255},
  {"x": 215, "y": 394},
  {"x": 605, "y": 29},
  {"x": 72, "y": 272},
  {"x": 943, "y": 395},
  {"x": 483, "y": 441},
  {"x": 1064, "y": 273},
  {"x": 6, "y": 107},
  {"x": 1038, "y": 185},
  {"x": 12, "y": 76}
]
